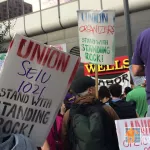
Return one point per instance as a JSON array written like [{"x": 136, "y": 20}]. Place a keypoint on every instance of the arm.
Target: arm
[
  {"x": 138, "y": 68},
  {"x": 45, "y": 146},
  {"x": 65, "y": 130},
  {"x": 111, "y": 112}
]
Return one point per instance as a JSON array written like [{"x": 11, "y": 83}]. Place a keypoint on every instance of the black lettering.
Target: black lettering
[
  {"x": 26, "y": 99},
  {"x": 22, "y": 129},
  {"x": 3, "y": 92},
  {"x": 21, "y": 113},
  {"x": 33, "y": 116},
  {"x": 14, "y": 129},
  {"x": 39, "y": 116},
  {"x": 125, "y": 77},
  {"x": 101, "y": 81},
  {"x": 7, "y": 127},
  {"x": 46, "y": 118},
  {"x": 117, "y": 80},
  {"x": 5, "y": 107},
  {"x": 9, "y": 91},
  {"x": 14, "y": 96},
  {"x": 12, "y": 111},
  {"x": 30, "y": 130},
  {"x": 1, "y": 121},
  {"x": 34, "y": 102},
  {"x": 49, "y": 104},
  {"x": 109, "y": 82},
  {"x": 29, "y": 114}
]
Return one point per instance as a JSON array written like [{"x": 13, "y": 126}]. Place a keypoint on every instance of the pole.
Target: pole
[
  {"x": 101, "y": 3},
  {"x": 96, "y": 80},
  {"x": 128, "y": 29}
]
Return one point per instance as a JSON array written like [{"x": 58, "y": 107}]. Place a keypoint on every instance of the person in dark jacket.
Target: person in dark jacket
[
  {"x": 104, "y": 94},
  {"x": 125, "y": 110}
]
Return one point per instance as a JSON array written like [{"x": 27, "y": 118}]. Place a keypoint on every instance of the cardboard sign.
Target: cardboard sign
[
  {"x": 61, "y": 47},
  {"x": 136, "y": 79},
  {"x": 133, "y": 134},
  {"x": 33, "y": 83},
  {"x": 97, "y": 36},
  {"x": 121, "y": 66},
  {"x": 123, "y": 80}
]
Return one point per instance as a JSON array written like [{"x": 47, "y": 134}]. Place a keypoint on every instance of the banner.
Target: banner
[
  {"x": 97, "y": 36},
  {"x": 133, "y": 134},
  {"x": 123, "y": 80},
  {"x": 61, "y": 47},
  {"x": 121, "y": 66},
  {"x": 34, "y": 81},
  {"x": 136, "y": 79}
]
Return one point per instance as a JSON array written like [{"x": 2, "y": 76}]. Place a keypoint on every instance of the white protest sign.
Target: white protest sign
[
  {"x": 136, "y": 79},
  {"x": 33, "y": 83},
  {"x": 123, "y": 80},
  {"x": 97, "y": 36},
  {"x": 61, "y": 47},
  {"x": 133, "y": 134}
]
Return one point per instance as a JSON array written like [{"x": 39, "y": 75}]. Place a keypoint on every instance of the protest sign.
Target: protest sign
[
  {"x": 123, "y": 80},
  {"x": 136, "y": 79},
  {"x": 121, "y": 65},
  {"x": 2, "y": 58},
  {"x": 133, "y": 134},
  {"x": 97, "y": 36},
  {"x": 61, "y": 47},
  {"x": 34, "y": 81}
]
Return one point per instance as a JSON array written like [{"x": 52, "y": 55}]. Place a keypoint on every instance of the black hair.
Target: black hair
[
  {"x": 103, "y": 92},
  {"x": 127, "y": 90},
  {"x": 115, "y": 90}
]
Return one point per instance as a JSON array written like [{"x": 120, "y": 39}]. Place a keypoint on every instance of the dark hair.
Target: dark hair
[
  {"x": 127, "y": 90},
  {"x": 115, "y": 90},
  {"x": 103, "y": 92}
]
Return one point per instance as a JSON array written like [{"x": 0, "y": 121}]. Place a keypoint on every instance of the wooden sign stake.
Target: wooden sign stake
[{"x": 96, "y": 80}]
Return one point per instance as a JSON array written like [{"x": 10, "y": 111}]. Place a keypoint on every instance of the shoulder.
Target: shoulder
[{"x": 111, "y": 112}]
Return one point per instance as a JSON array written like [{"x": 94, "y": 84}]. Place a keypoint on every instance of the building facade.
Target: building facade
[
  {"x": 13, "y": 8},
  {"x": 58, "y": 24}
]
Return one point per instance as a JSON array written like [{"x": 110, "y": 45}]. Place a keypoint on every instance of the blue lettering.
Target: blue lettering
[{"x": 95, "y": 17}]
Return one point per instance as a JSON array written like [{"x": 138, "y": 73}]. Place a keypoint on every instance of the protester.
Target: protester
[
  {"x": 125, "y": 110},
  {"x": 138, "y": 94},
  {"x": 54, "y": 138},
  {"x": 126, "y": 91},
  {"x": 104, "y": 94},
  {"x": 141, "y": 59},
  {"x": 89, "y": 124},
  {"x": 16, "y": 142}
]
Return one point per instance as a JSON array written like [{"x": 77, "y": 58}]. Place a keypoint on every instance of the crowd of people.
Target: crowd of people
[
  {"x": 89, "y": 123},
  {"x": 85, "y": 122}
]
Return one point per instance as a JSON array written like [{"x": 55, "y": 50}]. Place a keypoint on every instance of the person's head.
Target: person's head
[
  {"x": 127, "y": 90},
  {"x": 83, "y": 86},
  {"x": 115, "y": 90},
  {"x": 104, "y": 94}
]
